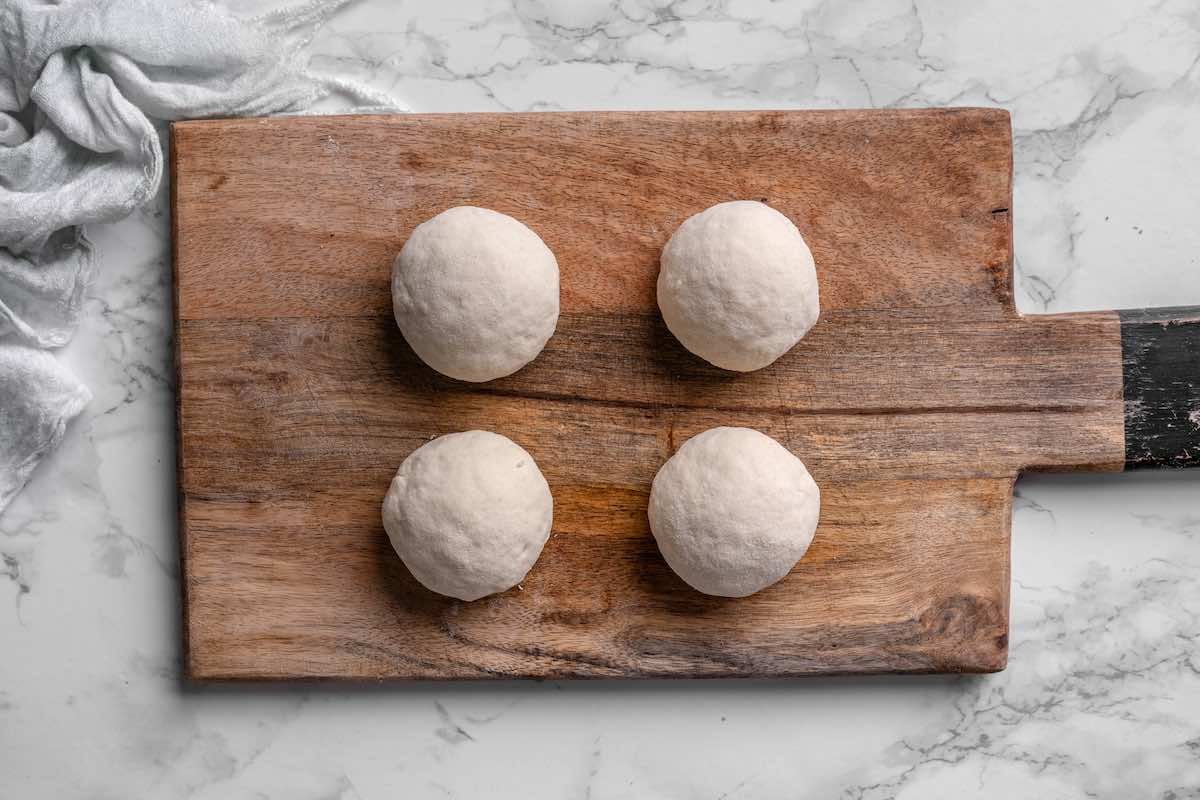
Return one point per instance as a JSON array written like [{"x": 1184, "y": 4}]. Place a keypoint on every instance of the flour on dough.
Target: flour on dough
[
  {"x": 468, "y": 513},
  {"x": 475, "y": 293},
  {"x": 737, "y": 285},
  {"x": 733, "y": 511}
]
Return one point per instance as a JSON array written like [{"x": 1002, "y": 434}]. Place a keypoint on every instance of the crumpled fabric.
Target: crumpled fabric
[
  {"x": 80, "y": 82},
  {"x": 38, "y": 397}
]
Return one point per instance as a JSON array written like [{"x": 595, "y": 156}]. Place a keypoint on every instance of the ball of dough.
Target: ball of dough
[
  {"x": 475, "y": 293},
  {"x": 737, "y": 285},
  {"x": 468, "y": 513},
  {"x": 733, "y": 511}
]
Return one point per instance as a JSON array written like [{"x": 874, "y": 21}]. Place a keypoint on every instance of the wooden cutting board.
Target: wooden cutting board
[{"x": 915, "y": 401}]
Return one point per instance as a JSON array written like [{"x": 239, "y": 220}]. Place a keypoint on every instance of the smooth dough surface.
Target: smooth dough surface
[
  {"x": 737, "y": 285},
  {"x": 475, "y": 293},
  {"x": 468, "y": 513},
  {"x": 733, "y": 511}
]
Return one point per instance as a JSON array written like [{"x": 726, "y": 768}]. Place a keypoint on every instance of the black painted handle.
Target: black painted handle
[{"x": 1160, "y": 349}]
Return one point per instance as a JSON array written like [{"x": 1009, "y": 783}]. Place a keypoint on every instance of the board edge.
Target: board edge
[
  {"x": 997, "y": 115},
  {"x": 190, "y": 670}
]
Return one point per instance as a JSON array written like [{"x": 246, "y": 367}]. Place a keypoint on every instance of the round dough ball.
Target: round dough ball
[
  {"x": 737, "y": 285},
  {"x": 733, "y": 511},
  {"x": 468, "y": 513},
  {"x": 475, "y": 293}
]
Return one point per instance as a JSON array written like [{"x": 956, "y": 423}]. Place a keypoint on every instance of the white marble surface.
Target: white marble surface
[{"x": 1102, "y": 695}]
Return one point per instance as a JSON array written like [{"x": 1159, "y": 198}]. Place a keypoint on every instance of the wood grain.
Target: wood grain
[{"x": 915, "y": 401}]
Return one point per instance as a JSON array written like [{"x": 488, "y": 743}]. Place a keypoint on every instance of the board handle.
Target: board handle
[{"x": 1160, "y": 352}]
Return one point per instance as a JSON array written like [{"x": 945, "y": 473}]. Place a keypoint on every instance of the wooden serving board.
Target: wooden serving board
[{"x": 915, "y": 401}]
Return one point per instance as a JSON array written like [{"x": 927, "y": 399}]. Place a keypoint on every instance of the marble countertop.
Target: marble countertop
[{"x": 1102, "y": 694}]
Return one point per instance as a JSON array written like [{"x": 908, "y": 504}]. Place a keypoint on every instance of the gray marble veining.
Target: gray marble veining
[{"x": 1102, "y": 695}]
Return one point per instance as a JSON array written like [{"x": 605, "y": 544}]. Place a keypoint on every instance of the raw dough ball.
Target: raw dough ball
[
  {"x": 475, "y": 293},
  {"x": 733, "y": 511},
  {"x": 737, "y": 286},
  {"x": 468, "y": 513}
]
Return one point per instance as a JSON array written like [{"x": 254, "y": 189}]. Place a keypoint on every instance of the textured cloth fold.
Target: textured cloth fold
[
  {"x": 38, "y": 397},
  {"x": 80, "y": 83}
]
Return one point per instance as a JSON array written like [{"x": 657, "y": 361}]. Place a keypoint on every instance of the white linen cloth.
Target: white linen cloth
[{"x": 80, "y": 83}]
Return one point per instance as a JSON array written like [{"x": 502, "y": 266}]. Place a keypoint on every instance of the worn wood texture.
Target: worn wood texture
[
  {"x": 915, "y": 401},
  {"x": 1161, "y": 352}
]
